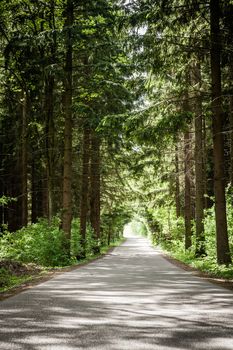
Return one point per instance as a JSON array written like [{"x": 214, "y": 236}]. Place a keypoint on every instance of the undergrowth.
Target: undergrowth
[
  {"x": 37, "y": 248},
  {"x": 168, "y": 232}
]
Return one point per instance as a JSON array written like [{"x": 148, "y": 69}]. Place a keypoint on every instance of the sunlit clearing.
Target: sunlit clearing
[
  {"x": 135, "y": 228},
  {"x": 128, "y": 231}
]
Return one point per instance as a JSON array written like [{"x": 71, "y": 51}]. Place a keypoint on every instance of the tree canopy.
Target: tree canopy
[{"x": 116, "y": 111}]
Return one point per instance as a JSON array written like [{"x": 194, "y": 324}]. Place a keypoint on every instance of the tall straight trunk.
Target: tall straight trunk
[
  {"x": 231, "y": 122},
  {"x": 205, "y": 186},
  {"x": 49, "y": 102},
  {"x": 223, "y": 251},
  {"x": 34, "y": 214},
  {"x": 199, "y": 178},
  {"x": 13, "y": 187},
  {"x": 95, "y": 189},
  {"x": 187, "y": 197},
  {"x": 67, "y": 107},
  {"x": 36, "y": 190},
  {"x": 84, "y": 188},
  {"x": 49, "y": 118},
  {"x": 24, "y": 160},
  {"x": 2, "y": 181},
  {"x": 178, "y": 208}
]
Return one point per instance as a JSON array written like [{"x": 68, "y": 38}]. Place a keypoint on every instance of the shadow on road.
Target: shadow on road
[{"x": 131, "y": 299}]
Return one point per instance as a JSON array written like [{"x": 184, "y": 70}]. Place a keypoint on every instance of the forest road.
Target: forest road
[{"x": 132, "y": 299}]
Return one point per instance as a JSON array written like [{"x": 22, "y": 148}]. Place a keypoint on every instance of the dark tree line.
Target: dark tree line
[{"x": 61, "y": 73}]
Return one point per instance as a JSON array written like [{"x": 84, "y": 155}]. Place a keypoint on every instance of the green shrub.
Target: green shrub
[
  {"x": 171, "y": 238},
  {"x": 77, "y": 250},
  {"x": 112, "y": 224},
  {"x": 40, "y": 243},
  {"x": 4, "y": 277}
]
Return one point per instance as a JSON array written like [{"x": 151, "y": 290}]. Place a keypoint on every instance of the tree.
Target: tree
[
  {"x": 223, "y": 251},
  {"x": 199, "y": 151},
  {"x": 68, "y": 120}
]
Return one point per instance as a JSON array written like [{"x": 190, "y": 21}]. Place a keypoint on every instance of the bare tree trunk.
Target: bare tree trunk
[
  {"x": 199, "y": 178},
  {"x": 95, "y": 189},
  {"x": 187, "y": 199},
  {"x": 205, "y": 185},
  {"x": 178, "y": 209},
  {"x": 67, "y": 106},
  {"x": 36, "y": 190},
  {"x": 49, "y": 102},
  {"x": 84, "y": 188},
  {"x": 231, "y": 122},
  {"x": 223, "y": 251},
  {"x": 49, "y": 117},
  {"x": 34, "y": 178},
  {"x": 24, "y": 173}
]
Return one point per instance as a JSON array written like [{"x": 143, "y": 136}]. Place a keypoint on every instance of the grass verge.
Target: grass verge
[
  {"x": 205, "y": 267},
  {"x": 16, "y": 276}
]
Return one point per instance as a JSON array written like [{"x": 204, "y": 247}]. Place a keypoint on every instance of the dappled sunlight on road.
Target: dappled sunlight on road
[{"x": 130, "y": 299}]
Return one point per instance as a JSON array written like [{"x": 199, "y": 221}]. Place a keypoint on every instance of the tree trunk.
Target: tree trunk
[
  {"x": 199, "y": 184},
  {"x": 67, "y": 107},
  {"x": 14, "y": 190},
  {"x": 36, "y": 190},
  {"x": 95, "y": 189},
  {"x": 187, "y": 198},
  {"x": 49, "y": 118},
  {"x": 223, "y": 251},
  {"x": 2, "y": 184},
  {"x": 205, "y": 185},
  {"x": 84, "y": 188},
  {"x": 24, "y": 159},
  {"x": 231, "y": 121},
  {"x": 178, "y": 209},
  {"x": 49, "y": 102},
  {"x": 34, "y": 214}
]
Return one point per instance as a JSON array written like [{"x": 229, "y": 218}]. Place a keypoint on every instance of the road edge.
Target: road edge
[
  {"x": 227, "y": 284},
  {"x": 50, "y": 275}
]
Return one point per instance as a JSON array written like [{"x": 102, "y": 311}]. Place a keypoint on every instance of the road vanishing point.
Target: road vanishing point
[{"x": 131, "y": 299}]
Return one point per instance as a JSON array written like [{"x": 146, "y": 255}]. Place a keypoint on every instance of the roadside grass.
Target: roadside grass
[
  {"x": 14, "y": 274},
  {"x": 10, "y": 281},
  {"x": 205, "y": 264}
]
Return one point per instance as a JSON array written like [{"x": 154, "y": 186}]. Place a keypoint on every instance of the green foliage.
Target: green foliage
[
  {"x": 9, "y": 280},
  {"x": 168, "y": 232},
  {"x": 4, "y": 200},
  {"x": 4, "y": 277},
  {"x": 40, "y": 243},
  {"x": 77, "y": 249},
  {"x": 112, "y": 224},
  {"x": 166, "y": 229}
]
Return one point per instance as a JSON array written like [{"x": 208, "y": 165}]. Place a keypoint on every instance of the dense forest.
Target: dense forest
[{"x": 114, "y": 112}]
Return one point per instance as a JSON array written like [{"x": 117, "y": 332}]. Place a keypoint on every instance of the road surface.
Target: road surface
[{"x": 132, "y": 299}]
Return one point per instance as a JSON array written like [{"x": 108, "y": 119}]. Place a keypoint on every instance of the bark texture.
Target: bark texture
[
  {"x": 178, "y": 206},
  {"x": 24, "y": 159},
  {"x": 187, "y": 199},
  {"x": 223, "y": 252},
  {"x": 199, "y": 175},
  {"x": 84, "y": 188},
  {"x": 50, "y": 144},
  {"x": 67, "y": 107},
  {"x": 95, "y": 188}
]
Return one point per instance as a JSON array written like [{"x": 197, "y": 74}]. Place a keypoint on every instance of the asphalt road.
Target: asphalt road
[{"x": 132, "y": 299}]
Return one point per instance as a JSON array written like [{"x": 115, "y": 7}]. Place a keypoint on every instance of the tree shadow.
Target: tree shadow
[{"x": 130, "y": 299}]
